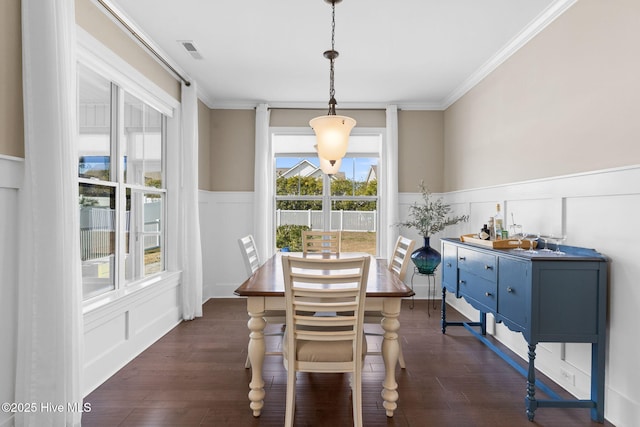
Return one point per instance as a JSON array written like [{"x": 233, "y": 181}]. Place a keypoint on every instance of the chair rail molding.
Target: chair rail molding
[{"x": 11, "y": 171}]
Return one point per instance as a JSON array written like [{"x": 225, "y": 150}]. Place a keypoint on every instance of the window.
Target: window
[
  {"x": 122, "y": 188},
  {"x": 306, "y": 198}
]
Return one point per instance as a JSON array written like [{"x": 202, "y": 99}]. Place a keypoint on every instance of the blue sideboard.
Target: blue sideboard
[{"x": 546, "y": 297}]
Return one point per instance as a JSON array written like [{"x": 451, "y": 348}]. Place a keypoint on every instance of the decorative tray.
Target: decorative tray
[{"x": 495, "y": 244}]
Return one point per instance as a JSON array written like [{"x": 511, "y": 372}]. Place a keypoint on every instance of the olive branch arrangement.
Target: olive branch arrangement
[{"x": 431, "y": 216}]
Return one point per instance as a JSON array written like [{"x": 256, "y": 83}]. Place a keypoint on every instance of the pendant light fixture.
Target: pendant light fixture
[
  {"x": 326, "y": 166},
  {"x": 332, "y": 131}
]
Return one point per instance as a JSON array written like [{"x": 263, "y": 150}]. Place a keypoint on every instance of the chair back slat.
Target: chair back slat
[
  {"x": 321, "y": 241},
  {"x": 401, "y": 254},
  {"x": 250, "y": 253}
]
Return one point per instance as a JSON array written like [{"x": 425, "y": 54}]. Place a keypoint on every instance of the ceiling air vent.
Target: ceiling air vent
[{"x": 191, "y": 48}]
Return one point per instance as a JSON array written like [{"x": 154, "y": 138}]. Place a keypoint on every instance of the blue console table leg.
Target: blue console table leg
[
  {"x": 530, "y": 401},
  {"x": 482, "y": 323},
  {"x": 597, "y": 381},
  {"x": 443, "y": 310}
]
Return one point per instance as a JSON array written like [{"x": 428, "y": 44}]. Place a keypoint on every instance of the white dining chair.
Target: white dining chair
[
  {"x": 250, "y": 252},
  {"x": 252, "y": 263},
  {"x": 399, "y": 264},
  {"x": 324, "y": 344},
  {"x": 321, "y": 241}
]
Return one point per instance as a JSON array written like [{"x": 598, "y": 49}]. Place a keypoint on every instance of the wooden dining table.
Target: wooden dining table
[{"x": 264, "y": 291}]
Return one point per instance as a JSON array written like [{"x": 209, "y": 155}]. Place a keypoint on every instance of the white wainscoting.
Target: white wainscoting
[
  {"x": 11, "y": 173},
  {"x": 117, "y": 332},
  {"x": 597, "y": 210},
  {"x": 224, "y": 218}
]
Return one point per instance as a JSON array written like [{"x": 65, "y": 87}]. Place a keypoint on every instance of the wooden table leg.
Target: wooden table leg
[
  {"x": 390, "y": 352},
  {"x": 257, "y": 349}
]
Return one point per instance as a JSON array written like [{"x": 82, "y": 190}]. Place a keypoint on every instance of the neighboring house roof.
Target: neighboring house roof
[
  {"x": 373, "y": 173},
  {"x": 305, "y": 168}
]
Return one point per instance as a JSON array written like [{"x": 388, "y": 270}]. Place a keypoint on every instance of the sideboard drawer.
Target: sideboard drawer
[
  {"x": 481, "y": 264},
  {"x": 479, "y": 289}
]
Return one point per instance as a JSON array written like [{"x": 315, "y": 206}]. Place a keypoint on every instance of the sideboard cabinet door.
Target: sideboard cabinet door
[
  {"x": 514, "y": 294},
  {"x": 450, "y": 268}
]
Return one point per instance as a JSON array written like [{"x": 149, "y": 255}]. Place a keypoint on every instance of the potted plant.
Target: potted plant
[{"x": 429, "y": 217}]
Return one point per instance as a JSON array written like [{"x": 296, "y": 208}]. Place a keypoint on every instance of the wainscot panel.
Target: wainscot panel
[
  {"x": 224, "y": 218},
  {"x": 118, "y": 331}
]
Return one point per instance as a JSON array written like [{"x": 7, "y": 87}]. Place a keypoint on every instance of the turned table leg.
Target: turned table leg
[
  {"x": 390, "y": 352},
  {"x": 257, "y": 349}
]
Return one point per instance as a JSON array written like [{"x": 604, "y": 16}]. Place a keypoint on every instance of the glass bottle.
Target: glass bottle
[
  {"x": 492, "y": 229},
  {"x": 484, "y": 233},
  {"x": 498, "y": 223}
]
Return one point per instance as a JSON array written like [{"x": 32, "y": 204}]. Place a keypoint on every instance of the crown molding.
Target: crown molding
[{"x": 546, "y": 17}]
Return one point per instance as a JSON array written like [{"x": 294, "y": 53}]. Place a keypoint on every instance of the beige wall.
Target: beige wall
[
  {"x": 204, "y": 146},
  {"x": 232, "y": 152},
  {"x": 11, "y": 115},
  {"x": 232, "y": 133},
  {"x": 300, "y": 118},
  {"x": 567, "y": 102},
  {"x": 92, "y": 19},
  {"x": 420, "y": 150}
]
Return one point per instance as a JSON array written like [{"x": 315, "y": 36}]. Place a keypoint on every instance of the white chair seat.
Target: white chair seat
[{"x": 317, "y": 351}]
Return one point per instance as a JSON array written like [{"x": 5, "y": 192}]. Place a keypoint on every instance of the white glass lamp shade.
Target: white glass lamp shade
[
  {"x": 326, "y": 166},
  {"x": 332, "y": 133}
]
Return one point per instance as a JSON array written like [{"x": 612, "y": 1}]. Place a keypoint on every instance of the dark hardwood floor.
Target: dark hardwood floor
[{"x": 195, "y": 376}]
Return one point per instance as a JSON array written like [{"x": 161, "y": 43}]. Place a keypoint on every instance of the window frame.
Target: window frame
[
  {"x": 95, "y": 56},
  {"x": 326, "y": 197}
]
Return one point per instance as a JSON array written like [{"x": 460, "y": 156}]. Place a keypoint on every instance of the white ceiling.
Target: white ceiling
[{"x": 421, "y": 54}]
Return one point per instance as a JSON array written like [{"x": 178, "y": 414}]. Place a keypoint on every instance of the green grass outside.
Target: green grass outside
[{"x": 359, "y": 241}]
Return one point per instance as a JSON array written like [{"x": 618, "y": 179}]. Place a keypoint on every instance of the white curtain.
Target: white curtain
[
  {"x": 263, "y": 212},
  {"x": 391, "y": 159},
  {"x": 49, "y": 354},
  {"x": 191, "y": 249}
]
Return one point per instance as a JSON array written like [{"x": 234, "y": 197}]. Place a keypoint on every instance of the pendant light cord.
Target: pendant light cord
[
  {"x": 332, "y": 55},
  {"x": 332, "y": 89}
]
